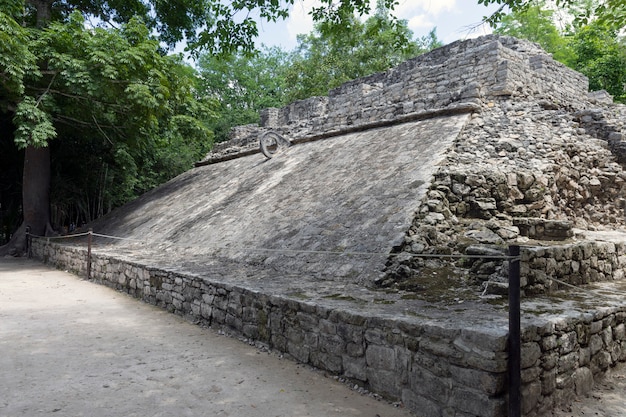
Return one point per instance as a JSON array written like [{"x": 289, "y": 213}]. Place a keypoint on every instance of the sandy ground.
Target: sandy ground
[
  {"x": 607, "y": 400},
  {"x": 72, "y": 348}
]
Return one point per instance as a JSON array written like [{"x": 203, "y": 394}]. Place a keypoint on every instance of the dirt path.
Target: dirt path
[
  {"x": 72, "y": 348},
  {"x": 607, "y": 400}
]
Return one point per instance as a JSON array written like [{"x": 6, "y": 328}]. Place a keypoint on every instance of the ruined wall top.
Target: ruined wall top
[{"x": 461, "y": 74}]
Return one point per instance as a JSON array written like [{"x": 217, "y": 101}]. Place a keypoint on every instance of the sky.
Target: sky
[{"x": 453, "y": 19}]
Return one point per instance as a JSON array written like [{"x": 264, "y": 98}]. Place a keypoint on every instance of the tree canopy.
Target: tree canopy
[
  {"x": 611, "y": 13},
  {"x": 595, "y": 49},
  {"x": 324, "y": 59},
  {"x": 94, "y": 109},
  {"x": 96, "y": 105}
]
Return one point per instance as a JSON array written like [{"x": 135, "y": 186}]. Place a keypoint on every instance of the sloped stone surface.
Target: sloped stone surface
[{"x": 353, "y": 193}]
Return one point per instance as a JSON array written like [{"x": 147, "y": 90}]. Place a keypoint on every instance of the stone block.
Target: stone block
[
  {"x": 332, "y": 363},
  {"x": 381, "y": 357},
  {"x": 355, "y": 368},
  {"x": 332, "y": 345},
  {"x": 350, "y": 333},
  {"x": 531, "y": 395},
  {"x": 531, "y": 352},
  {"x": 298, "y": 351},
  {"x": 384, "y": 382},
  {"x": 595, "y": 343},
  {"x": 477, "y": 403},
  {"x": 488, "y": 382},
  {"x": 548, "y": 382},
  {"x": 421, "y": 404},
  {"x": 583, "y": 381}
]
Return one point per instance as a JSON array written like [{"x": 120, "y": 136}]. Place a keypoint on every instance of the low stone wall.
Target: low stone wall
[
  {"x": 575, "y": 264},
  {"x": 563, "y": 357},
  {"x": 435, "y": 369}
]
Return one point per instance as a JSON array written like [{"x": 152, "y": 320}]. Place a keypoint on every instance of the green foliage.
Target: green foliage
[
  {"x": 328, "y": 58},
  {"x": 114, "y": 102},
  {"x": 16, "y": 60},
  {"x": 213, "y": 26},
  {"x": 243, "y": 85},
  {"x": 34, "y": 126},
  {"x": 601, "y": 55},
  {"x": 611, "y": 13},
  {"x": 536, "y": 23},
  {"x": 594, "y": 48}
]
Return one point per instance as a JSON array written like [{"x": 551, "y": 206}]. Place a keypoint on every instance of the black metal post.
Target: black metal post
[
  {"x": 515, "y": 343},
  {"x": 89, "y": 236}
]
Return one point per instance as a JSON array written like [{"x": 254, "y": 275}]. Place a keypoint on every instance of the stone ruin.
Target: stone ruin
[
  {"x": 540, "y": 160},
  {"x": 319, "y": 251}
]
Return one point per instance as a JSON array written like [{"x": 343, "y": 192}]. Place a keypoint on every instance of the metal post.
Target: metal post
[
  {"x": 515, "y": 344},
  {"x": 89, "y": 236}
]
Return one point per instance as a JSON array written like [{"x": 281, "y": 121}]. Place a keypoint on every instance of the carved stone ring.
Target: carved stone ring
[{"x": 271, "y": 143}]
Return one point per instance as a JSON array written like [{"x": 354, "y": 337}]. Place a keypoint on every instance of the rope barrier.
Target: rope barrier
[
  {"x": 582, "y": 289},
  {"x": 337, "y": 253},
  {"x": 85, "y": 234},
  {"x": 301, "y": 251},
  {"x": 118, "y": 238},
  {"x": 58, "y": 237}
]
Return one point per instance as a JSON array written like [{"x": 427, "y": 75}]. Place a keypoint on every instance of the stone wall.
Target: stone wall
[
  {"x": 576, "y": 264},
  {"x": 523, "y": 172},
  {"x": 537, "y": 159},
  {"x": 463, "y": 72},
  {"x": 435, "y": 369},
  {"x": 562, "y": 357}
]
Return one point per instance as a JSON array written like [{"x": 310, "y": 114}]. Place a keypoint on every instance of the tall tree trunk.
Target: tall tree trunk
[
  {"x": 36, "y": 180},
  {"x": 36, "y": 189},
  {"x": 35, "y": 200}
]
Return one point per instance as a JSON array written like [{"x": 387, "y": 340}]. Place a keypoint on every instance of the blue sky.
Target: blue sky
[{"x": 452, "y": 18}]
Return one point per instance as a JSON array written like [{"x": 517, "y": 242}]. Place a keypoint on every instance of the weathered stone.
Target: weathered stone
[
  {"x": 380, "y": 357},
  {"x": 513, "y": 162}
]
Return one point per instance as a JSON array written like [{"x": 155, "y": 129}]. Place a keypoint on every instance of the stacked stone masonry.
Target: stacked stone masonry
[
  {"x": 461, "y": 72},
  {"x": 539, "y": 162},
  {"x": 432, "y": 369},
  {"x": 435, "y": 370},
  {"x": 544, "y": 268}
]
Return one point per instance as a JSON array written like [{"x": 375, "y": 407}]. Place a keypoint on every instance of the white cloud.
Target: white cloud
[
  {"x": 409, "y": 8},
  {"x": 419, "y": 22}
]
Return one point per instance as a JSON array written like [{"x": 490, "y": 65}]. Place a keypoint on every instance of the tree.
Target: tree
[
  {"x": 611, "y": 13},
  {"x": 243, "y": 84},
  {"x": 536, "y": 23},
  {"x": 594, "y": 48},
  {"x": 600, "y": 54},
  {"x": 330, "y": 56},
  {"x": 111, "y": 88},
  {"x": 53, "y": 94}
]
